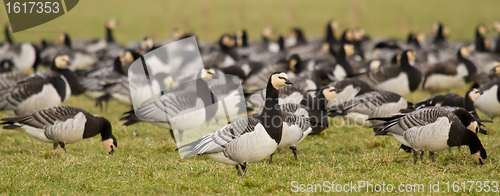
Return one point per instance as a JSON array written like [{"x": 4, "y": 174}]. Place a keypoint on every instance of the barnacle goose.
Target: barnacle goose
[
  {"x": 371, "y": 104},
  {"x": 450, "y": 74},
  {"x": 489, "y": 101},
  {"x": 435, "y": 129},
  {"x": 248, "y": 139},
  {"x": 180, "y": 109},
  {"x": 454, "y": 100},
  {"x": 79, "y": 59},
  {"x": 63, "y": 125},
  {"x": 401, "y": 79},
  {"x": 42, "y": 91},
  {"x": 223, "y": 55},
  {"x": 24, "y": 56}
]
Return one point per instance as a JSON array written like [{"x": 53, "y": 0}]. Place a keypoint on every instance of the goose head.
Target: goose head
[
  {"x": 177, "y": 34},
  {"x": 464, "y": 52},
  {"x": 348, "y": 49},
  {"x": 496, "y": 69},
  {"x": 208, "y": 74},
  {"x": 112, "y": 23},
  {"x": 474, "y": 94},
  {"x": 226, "y": 41},
  {"x": 279, "y": 79},
  {"x": 108, "y": 139},
  {"x": 480, "y": 156},
  {"x": 329, "y": 93},
  {"x": 61, "y": 62},
  {"x": 358, "y": 34},
  {"x": 295, "y": 64},
  {"x": 147, "y": 43},
  {"x": 348, "y": 36}
]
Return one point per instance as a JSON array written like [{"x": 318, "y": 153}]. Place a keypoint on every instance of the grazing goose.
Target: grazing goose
[
  {"x": 454, "y": 100},
  {"x": 182, "y": 110},
  {"x": 489, "y": 101},
  {"x": 63, "y": 125},
  {"x": 42, "y": 91},
  {"x": 248, "y": 139},
  {"x": 371, "y": 104},
  {"x": 435, "y": 129},
  {"x": 450, "y": 74}
]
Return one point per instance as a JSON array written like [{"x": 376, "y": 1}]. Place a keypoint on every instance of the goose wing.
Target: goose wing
[
  {"x": 42, "y": 118},
  {"x": 217, "y": 141}
]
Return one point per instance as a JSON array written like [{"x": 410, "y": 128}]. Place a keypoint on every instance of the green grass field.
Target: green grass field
[{"x": 149, "y": 164}]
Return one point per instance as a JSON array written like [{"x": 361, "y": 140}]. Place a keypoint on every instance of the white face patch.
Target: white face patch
[
  {"x": 482, "y": 30},
  {"x": 464, "y": 51},
  {"x": 348, "y": 35},
  {"x": 168, "y": 81},
  {"x": 206, "y": 74},
  {"x": 334, "y": 25},
  {"x": 227, "y": 41},
  {"x": 496, "y": 70},
  {"x": 478, "y": 159},
  {"x": 292, "y": 64},
  {"x": 325, "y": 47},
  {"x": 411, "y": 56},
  {"x": 330, "y": 93},
  {"x": 278, "y": 80},
  {"x": 474, "y": 95},
  {"x": 111, "y": 24},
  {"x": 62, "y": 61},
  {"x": 473, "y": 127},
  {"x": 109, "y": 146},
  {"x": 349, "y": 49}
]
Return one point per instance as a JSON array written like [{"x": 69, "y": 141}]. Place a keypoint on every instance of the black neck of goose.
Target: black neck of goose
[
  {"x": 244, "y": 39},
  {"x": 330, "y": 35},
  {"x": 469, "y": 104},
  {"x": 471, "y": 68},
  {"x": 440, "y": 35},
  {"x": 281, "y": 43},
  {"x": 109, "y": 35},
  {"x": 271, "y": 115},
  {"x": 117, "y": 66},
  {"x": 8, "y": 38},
  {"x": 475, "y": 145},
  {"x": 72, "y": 78},
  {"x": 106, "y": 132},
  {"x": 301, "y": 40},
  {"x": 413, "y": 40},
  {"x": 204, "y": 92},
  {"x": 342, "y": 60},
  {"x": 480, "y": 42},
  {"x": 413, "y": 74},
  {"x": 67, "y": 41}
]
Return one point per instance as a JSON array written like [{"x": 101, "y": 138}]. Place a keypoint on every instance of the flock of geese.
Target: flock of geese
[{"x": 292, "y": 87}]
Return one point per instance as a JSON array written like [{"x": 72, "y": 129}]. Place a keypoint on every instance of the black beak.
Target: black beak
[
  {"x": 111, "y": 153},
  {"x": 288, "y": 82},
  {"x": 214, "y": 76}
]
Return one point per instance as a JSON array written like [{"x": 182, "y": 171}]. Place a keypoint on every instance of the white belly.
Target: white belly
[
  {"x": 47, "y": 98},
  {"x": 488, "y": 102},
  {"x": 399, "y": 85},
  {"x": 439, "y": 82},
  {"x": 251, "y": 147}
]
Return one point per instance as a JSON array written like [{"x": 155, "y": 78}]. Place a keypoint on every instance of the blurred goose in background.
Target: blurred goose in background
[
  {"x": 248, "y": 139},
  {"x": 223, "y": 54},
  {"x": 450, "y": 74},
  {"x": 22, "y": 57},
  {"x": 79, "y": 59},
  {"x": 63, "y": 125},
  {"x": 42, "y": 91},
  {"x": 454, "y": 100},
  {"x": 368, "y": 105},
  {"x": 435, "y": 129},
  {"x": 489, "y": 102},
  {"x": 401, "y": 78},
  {"x": 182, "y": 110}
]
